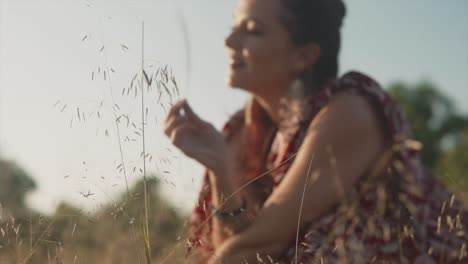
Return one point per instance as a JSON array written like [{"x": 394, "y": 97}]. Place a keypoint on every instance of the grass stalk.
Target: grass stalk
[{"x": 145, "y": 179}]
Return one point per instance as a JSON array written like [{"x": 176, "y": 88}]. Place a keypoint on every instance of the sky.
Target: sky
[{"x": 53, "y": 55}]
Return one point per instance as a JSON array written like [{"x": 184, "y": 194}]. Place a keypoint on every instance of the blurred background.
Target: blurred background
[{"x": 71, "y": 136}]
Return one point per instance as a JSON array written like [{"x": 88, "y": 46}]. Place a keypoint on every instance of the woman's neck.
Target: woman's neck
[
  {"x": 273, "y": 102},
  {"x": 271, "y": 105}
]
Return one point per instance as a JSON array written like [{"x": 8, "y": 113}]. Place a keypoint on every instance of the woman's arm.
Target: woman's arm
[
  {"x": 201, "y": 141},
  {"x": 226, "y": 195},
  {"x": 341, "y": 143},
  {"x": 251, "y": 131},
  {"x": 229, "y": 192}
]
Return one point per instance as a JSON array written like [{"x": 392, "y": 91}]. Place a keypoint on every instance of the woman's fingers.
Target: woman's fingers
[
  {"x": 175, "y": 109},
  {"x": 190, "y": 114},
  {"x": 174, "y": 116},
  {"x": 182, "y": 110},
  {"x": 172, "y": 123},
  {"x": 179, "y": 133}
]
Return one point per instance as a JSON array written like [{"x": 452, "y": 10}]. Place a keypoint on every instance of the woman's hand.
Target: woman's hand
[
  {"x": 196, "y": 138},
  {"x": 224, "y": 254}
]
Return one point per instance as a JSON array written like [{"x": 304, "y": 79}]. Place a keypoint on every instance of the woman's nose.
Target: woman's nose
[{"x": 232, "y": 40}]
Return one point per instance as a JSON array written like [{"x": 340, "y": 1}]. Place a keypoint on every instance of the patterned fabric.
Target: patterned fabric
[{"x": 402, "y": 213}]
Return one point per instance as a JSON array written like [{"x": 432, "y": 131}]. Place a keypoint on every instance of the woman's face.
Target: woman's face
[{"x": 262, "y": 57}]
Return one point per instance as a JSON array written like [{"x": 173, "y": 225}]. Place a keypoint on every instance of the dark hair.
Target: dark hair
[{"x": 316, "y": 21}]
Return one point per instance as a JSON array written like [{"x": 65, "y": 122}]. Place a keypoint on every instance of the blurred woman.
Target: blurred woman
[{"x": 314, "y": 167}]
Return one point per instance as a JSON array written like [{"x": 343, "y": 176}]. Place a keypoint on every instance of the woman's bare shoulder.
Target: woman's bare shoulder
[{"x": 351, "y": 111}]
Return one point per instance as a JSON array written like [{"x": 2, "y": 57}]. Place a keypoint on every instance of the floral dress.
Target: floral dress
[{"x": 402, "y": 214}]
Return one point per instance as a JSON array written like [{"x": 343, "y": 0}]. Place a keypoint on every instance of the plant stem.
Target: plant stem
[{"x": 145, "y": 196}]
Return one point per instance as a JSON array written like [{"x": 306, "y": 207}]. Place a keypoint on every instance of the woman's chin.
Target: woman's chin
[
  {"x": 237, "y": 77},
  {"x": 235, "y": 82}
]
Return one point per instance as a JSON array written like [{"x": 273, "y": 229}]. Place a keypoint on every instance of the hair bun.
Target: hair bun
[
  {"x": 316, "y": 21},
  {"x": 341, "y": 11},
  {"x": 336, "y": 10}
]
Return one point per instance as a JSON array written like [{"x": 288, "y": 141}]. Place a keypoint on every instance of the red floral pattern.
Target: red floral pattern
[{"x": 405, "y": 217}]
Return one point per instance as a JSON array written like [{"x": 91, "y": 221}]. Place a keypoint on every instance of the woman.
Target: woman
[{"x": 314, "y": 167}]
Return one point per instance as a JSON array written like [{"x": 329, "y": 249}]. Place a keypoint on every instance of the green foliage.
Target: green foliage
[
  {"x": 441, "y": 128},
  {"x": 15, "y": 184},
  {"x": 455, "y": 160},
  {"x": 113, "y": 234},
  {"x": 453, "y": 166},
  {"x": 433, "y": 117}
]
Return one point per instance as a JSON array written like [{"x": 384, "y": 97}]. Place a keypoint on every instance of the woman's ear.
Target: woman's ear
[{"x": 307, "y": 55}]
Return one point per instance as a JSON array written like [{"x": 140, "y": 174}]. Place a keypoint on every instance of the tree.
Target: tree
[
  {"x": 112, "y": 234},
  {"x": 433, "y": 116},
  {"x": 441, "y": 128},
  {"x": 453, "y": 166},
  {"x": 15, "y": 184}
]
